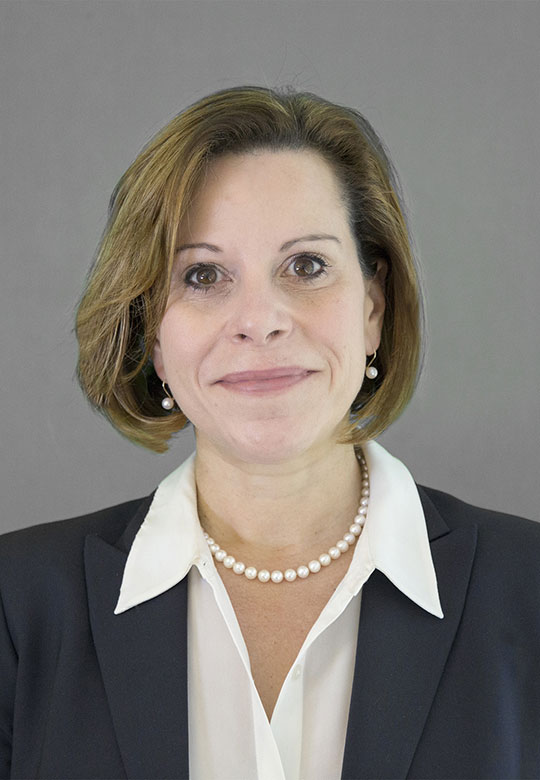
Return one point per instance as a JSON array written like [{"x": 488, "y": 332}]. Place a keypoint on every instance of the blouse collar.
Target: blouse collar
[{"x": 170, "y": 540}]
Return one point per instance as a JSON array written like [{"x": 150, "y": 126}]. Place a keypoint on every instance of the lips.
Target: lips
[
  {"x": 265, "y": 381},
  {"x": 257, "y": 376}
]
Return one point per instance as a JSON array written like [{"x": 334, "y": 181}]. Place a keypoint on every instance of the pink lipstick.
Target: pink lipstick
[{"x": 269, "y": 380}]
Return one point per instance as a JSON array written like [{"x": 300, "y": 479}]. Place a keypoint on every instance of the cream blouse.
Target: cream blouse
[{"x": 230, "y": 737}]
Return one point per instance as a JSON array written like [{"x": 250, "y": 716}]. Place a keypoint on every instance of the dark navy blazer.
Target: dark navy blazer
[{"x": 85, "y": 693}]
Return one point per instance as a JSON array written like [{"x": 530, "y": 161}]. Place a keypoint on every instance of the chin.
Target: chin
[{"x": 268, "y": 444}]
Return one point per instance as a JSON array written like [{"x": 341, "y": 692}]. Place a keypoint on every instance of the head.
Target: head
[{"x": 249, "y": 169}]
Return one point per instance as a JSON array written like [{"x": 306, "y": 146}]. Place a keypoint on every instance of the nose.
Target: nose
[{"x": 259, "y": 316}]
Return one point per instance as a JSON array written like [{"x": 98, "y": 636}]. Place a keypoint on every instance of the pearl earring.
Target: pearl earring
[
  {"x": 371, "y": 371},
  {"x": 168, "y": 402}
]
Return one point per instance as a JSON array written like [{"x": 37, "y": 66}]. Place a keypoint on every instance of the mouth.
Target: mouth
[{"x": 260, "y": 382}]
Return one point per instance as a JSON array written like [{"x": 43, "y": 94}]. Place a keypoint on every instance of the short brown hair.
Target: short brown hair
[{"x": 126, "y": 292}]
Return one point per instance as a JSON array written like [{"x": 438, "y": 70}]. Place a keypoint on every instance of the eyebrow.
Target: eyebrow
[{"x": 286, "y": 245}]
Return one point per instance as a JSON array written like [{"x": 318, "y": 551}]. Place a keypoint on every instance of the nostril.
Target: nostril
[{"x": 269, "y": 335}]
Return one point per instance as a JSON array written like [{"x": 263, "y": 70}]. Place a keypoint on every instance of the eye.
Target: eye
[
  {"x": 308, "y": 266},
  {"x": 202, "y": 277}
]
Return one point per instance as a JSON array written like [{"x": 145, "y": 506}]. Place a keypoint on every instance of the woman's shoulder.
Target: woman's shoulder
[
  {"x": 458, "y": 512},
  {"x": 43, "y": 544},
  {"x": 503, "y": 540},
  {"x": 43, "y": 590},
  {"x": 503, "y": 589}
]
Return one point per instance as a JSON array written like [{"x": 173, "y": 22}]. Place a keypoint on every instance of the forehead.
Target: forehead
[{"x": 267, "y": 188}]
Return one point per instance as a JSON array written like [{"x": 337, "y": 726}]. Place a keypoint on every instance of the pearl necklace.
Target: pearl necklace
[{"x": 314, "y": 566}]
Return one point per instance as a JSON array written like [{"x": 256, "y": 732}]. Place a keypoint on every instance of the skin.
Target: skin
[{"x": 269, "y": 472}]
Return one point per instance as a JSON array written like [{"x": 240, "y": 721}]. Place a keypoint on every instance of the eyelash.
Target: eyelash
[{"x": 205, "y": 288}]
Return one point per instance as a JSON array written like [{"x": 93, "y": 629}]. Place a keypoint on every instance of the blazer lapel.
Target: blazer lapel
[
  {"x": 142, "y": 655},
  {"x": 401, "y": 654}
]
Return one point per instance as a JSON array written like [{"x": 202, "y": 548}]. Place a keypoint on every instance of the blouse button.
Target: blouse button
[{"x": 297, "y": 672}]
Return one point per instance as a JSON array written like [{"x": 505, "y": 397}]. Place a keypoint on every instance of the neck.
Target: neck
[{"x": 274, "y": 512}]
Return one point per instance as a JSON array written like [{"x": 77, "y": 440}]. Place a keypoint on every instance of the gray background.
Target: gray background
[{"x": 452, "y": 87}]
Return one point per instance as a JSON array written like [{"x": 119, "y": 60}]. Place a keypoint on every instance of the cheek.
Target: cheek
[
  {"x": 346, "y": 345},
  {"x": 342, "y": 327},
  {"x": 182, "y": 344}
]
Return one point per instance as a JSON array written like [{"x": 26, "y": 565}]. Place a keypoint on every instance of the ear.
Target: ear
[
  {"x": 157, "y": 359},
  {"x": 374, "y": 306}
]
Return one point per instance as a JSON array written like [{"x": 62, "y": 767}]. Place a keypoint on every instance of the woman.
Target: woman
[{"x": 288, "y": 603}]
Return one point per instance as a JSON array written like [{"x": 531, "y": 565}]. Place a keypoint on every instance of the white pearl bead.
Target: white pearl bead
[
  {"x": 360, "y": 520},
  {"x": 167, "y": 403},
  {"x": 314, "y": 566},
  {"x": 371, "y": 372}
]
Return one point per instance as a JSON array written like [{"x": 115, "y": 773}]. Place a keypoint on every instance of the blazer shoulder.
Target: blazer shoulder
[
  {"x": 108, "y": 521},
  {"x": 42, "y": 572},
  {"x": 458, "y": 512},
  {"x": 57, "y": 545},
  {"x": 504, "y": 541}
]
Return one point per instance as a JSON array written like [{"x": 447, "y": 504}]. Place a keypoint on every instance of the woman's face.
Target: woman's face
[{"x": 269, "y": 321}]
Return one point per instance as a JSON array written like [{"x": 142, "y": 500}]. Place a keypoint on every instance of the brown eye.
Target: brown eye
[
  {"x": 304, "y": 266},
  {"x": 205, "y": 276},
  {"x": 308, "y": 267}
]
